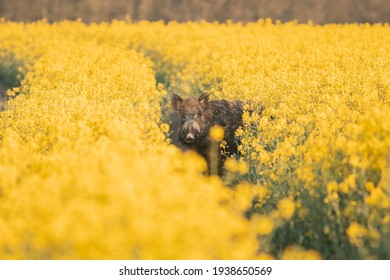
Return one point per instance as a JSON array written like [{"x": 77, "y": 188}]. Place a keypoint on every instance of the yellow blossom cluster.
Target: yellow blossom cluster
[{"x": 86, "y": 170}]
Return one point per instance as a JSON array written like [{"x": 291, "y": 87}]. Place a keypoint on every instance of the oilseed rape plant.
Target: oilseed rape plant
[{"x": 87, "y": 170}]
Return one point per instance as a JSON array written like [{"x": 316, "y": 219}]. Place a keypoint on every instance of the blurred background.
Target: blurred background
[{"x": 319, "y": 11}]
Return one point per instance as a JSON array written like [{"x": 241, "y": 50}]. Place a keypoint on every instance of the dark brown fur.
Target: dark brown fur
[{"x": 198, "y": 115}]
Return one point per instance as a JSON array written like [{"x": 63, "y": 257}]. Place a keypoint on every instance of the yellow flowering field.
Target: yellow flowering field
[{"x": 87, "y": 170}]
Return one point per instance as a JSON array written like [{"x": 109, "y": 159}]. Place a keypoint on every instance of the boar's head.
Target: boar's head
[{"x": 193, "y": 112}]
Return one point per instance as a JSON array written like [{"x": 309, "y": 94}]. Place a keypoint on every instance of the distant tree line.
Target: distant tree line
[{"x": 319, "y": 11}]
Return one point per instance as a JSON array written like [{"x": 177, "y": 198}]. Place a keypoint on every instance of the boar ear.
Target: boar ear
[
  {"x": 176, "y": 102},
  {"x": 204, "y": 99}
]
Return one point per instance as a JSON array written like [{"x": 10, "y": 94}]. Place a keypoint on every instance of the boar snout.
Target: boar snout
[{"x": 190, "y": 139}]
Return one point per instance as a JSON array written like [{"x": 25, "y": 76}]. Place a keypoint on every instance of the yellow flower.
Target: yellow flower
[
  {"x": 261, "y": 192},
  {"x": 242, "y": 167},
  {"x": 243, "y": 196},
  {"x": 231, "y": 165},
  {"x": 331, "y": 187},
  {"x": 348, "y": 184},
  {"x": 264, "y": 225},
  {"x": 355, "y": 232},
  {"x": 216, "y": 133},
  {"x": 160, "y": 86},
  {"x": 253, "y": 155},
  {"x": 370, "y": 186},
  {"x": 164, "y": 127},
  {"x": 378, "y": 197},
  {"x": 286, "y": 208},
  {"x": 385, "y": 220},
  {"x": 239, "y": 132}
]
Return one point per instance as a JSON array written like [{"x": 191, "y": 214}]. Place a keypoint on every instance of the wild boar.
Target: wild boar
[{"x": 199, "y": 114}]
